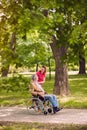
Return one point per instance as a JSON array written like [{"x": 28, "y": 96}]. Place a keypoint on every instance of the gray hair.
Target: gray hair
[{"x": 33, "y": 77}]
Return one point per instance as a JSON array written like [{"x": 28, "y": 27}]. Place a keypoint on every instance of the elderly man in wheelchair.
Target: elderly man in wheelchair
[{"x": 41, "y": 102}]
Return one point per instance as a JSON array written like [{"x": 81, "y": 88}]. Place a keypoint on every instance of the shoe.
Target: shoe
[{"x": 56, "y": 109}]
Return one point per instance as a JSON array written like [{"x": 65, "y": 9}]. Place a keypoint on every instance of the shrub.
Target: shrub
[{"x": 15, "y": 83}]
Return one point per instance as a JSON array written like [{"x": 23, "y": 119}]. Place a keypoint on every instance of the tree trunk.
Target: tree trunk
[
  {"x": 37, "y": 67},
  {"x": 81, "y": 64},
  {"x": 61, "y": 77},
  {"x": 13, "y": 42},
  {"x": 5, "y": 66},
  {"x": 4, "y": 71},
  {"x": 49, "y": 64}
]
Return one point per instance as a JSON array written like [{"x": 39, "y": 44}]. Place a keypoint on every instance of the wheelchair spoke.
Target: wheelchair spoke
[{"x": 36, "y": 106}]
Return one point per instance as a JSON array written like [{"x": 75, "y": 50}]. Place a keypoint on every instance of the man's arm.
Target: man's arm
[
  {"x": 36, "y": 91},
  {"x": 36, "y": 88}
]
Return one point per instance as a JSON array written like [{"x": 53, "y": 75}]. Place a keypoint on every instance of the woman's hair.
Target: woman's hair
[{"x": 44, "y": 68}]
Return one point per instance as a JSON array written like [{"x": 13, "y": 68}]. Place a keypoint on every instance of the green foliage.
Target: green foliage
[
  {"x": 31, "y": 53},
  {"x": 36, "y": 22},
  {"x": 15, "y": 84},
  {"x": 79, "y": 34},
  {"x": 10, "y": 14}
]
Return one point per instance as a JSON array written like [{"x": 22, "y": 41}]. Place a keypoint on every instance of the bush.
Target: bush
[{"x": 15, "y": 83}]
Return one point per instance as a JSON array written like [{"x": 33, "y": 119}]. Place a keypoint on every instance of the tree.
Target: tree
[
  {"x": 60, "y": 31},
  {"x": 57, "y": 24},
  {"x": 61, "y": 78},
  {"x": 79, "y": 35},
  {"x": 62, "y": 17},
  {"x": 10, "y": 11},
  {"x": 55, "y": 21}
]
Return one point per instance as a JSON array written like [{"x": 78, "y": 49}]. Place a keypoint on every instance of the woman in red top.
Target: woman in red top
[{"x": 41, "y": 75}]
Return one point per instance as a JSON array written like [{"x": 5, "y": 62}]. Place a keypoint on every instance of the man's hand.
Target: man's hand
[{"x": 45, "y": 92}]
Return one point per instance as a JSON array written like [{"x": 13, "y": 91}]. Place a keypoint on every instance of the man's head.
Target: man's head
[{"x": 34, "y": 77}]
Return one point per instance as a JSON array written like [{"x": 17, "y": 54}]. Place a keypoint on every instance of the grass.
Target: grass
[
  {"x": 77, "y": 98},
  {"x": 40, "y": 126}
]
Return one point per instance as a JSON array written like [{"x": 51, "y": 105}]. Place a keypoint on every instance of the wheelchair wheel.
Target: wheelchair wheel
[
  {"x": 48, "y": 106},
  {"x": 35, "y": 106}
]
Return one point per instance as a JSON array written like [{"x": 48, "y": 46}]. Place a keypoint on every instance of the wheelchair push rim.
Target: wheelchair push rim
[{"x": 34, "y": 106}]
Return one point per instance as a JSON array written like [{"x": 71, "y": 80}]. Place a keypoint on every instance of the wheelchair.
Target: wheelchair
[{"x": 37, "y": 105}]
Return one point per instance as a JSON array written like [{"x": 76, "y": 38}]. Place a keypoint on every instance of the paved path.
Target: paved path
[{"x": 65, "y": 116}]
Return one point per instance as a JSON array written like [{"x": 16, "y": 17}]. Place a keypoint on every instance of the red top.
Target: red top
[{"x": 41, "y": 76}]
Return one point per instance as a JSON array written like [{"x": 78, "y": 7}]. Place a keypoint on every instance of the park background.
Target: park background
[{"x": 35, "y": 33}]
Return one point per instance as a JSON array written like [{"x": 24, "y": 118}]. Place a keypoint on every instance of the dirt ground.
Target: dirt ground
[{"x": 65, "y": 116}]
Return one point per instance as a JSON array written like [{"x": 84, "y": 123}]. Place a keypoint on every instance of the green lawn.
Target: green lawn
[
  {"x": 78, "y": 89},
  {"x": 78, "y": 92},
  {"x": 40, "y": 126},
  {"x": 19, "y": 91}
]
